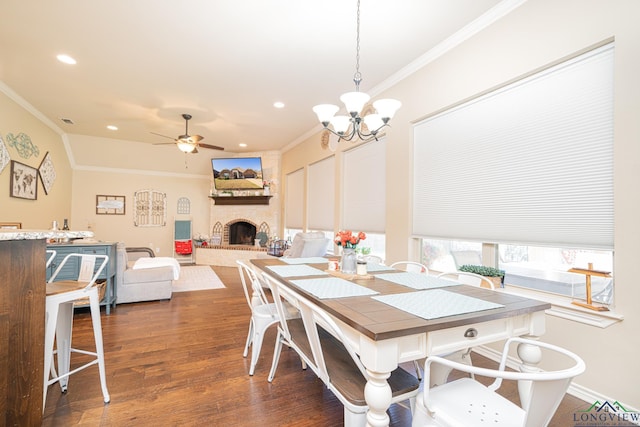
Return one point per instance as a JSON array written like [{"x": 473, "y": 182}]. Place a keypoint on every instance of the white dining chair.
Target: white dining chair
[
  {"x": 471, "y": 279},
  {"x": 60, "y": 298},
  {"x": 466, "y": 278},
  {"x": 51, "y": 255},
  {"x": 263, "y": 312},
  {"x": 373, "y": 260},
  {"x": 323, "y": 347},
  {"x": 410, "y": 266},
  {"x": 467, "y": 402}
]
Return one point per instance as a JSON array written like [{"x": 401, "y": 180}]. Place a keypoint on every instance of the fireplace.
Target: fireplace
[{"x": 241, "y": 233}]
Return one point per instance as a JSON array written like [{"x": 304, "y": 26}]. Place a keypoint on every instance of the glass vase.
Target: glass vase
[{"x": 349, "y": 260}]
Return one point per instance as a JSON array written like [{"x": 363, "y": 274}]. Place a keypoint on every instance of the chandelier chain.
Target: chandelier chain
[{"x": 357, "y": 77}]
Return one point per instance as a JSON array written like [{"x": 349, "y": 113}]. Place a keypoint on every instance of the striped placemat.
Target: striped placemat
[
  {"x": 416, "y": 280},
  {"x": 332, "y": 287},
  {"x": 308, "y": 260},
  {"x": 295, "y": 270},
  {"x": 436, "y": 303}
]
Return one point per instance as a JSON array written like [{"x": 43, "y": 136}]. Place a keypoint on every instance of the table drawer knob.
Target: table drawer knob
[{"x": 471, "y": 333}]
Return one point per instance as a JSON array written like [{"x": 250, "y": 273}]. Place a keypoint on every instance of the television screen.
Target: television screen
[{"x": 237, "y": 173}]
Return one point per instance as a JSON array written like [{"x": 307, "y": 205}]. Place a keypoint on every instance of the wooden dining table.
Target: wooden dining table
[{"x": 385, "y": 334}]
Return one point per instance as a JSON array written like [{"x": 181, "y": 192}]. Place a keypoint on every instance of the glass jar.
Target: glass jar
[{"x": 349, "y": 259}]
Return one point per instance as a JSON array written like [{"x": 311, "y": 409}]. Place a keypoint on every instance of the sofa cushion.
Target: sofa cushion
[
  {"x": 298, "y": 243},
  {"x": 150, "y": 263},
  {"x": 314, "y": 247},
  {"x": 158, "y": 274}
]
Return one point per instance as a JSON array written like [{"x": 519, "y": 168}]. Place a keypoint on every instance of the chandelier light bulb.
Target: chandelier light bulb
[
  {"x": 340, "y": 124},
  {"x": 373, "y": 122},
  {"x": 387, "y": 108},
  {"x": 325, "y": 112},
  {"x": 354, "y": 102}
]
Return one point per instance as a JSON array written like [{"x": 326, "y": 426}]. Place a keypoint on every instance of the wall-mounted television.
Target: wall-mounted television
[{"x": 237, "y": 173}]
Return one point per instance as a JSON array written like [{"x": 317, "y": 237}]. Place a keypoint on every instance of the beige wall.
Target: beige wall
[
  {"x": 120, "y": 228},
  {"x": 536, "y": 34},
  {"x": 34, "y": 214}
]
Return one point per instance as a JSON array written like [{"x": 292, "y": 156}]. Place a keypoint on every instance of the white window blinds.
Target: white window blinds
[
  {"x": 364, "y": 177},
  {"x": 529, "y": 163},
  {"x": 294, "y": 199},
  {"x": 321, "y": 190}
]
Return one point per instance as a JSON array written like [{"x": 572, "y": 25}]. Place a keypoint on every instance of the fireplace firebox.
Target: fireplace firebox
[{"x": 242, "y": 233}]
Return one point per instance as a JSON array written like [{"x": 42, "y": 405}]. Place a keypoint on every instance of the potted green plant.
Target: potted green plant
[{"x": 494, "y": 274}]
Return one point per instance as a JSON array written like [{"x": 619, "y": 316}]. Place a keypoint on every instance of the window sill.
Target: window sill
[{"x": 562, "y": 307}]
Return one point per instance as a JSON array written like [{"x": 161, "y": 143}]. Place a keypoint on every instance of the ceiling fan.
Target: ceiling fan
[{"x": 187, "y": 143}]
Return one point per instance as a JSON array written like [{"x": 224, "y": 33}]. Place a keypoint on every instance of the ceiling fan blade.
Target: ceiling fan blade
[
  {"x": 164, "y": 136},
  {"x": 164, "y": 143},
  {"x": 212, "y": 147}
]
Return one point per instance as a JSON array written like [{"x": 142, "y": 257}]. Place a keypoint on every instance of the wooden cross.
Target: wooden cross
[{"x": 588, "y": 272}]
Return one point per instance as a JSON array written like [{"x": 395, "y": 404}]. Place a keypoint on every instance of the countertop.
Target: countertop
[{"x": 26, "y": 234}]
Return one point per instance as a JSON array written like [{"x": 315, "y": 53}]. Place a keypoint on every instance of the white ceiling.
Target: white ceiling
[{"x": 142, "y": 63}]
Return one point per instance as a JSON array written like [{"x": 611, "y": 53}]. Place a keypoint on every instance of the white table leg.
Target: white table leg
[
  {"x": 530, "y": 355},
  {"x": 377, "y": 393}
]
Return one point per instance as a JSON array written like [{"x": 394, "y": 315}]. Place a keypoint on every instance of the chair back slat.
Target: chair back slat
[
  {"x": 252, "y": 285},
  {"x": 87, "y": 271}
]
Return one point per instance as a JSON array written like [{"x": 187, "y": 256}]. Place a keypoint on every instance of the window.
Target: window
[
  {"x": 321, "y": 191},
  {"x": 374, "y": 244},
  {"x": 527, "y": 169},
  {"x": 534, "y": 267},
  {"x": 294, "y": 200},
  {"x": 364, "y": 188},
  {"x": 546, "y": 269},
  {"x": 449, "y": 255}
]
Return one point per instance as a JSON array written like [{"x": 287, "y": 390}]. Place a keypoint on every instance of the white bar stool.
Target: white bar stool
[{"x": 59, "y": 321}]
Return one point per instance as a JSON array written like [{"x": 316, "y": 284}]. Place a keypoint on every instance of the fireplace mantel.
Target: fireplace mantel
[{"x": 241, "y": 200}]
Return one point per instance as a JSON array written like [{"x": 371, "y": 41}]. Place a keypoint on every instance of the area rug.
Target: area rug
[{"x": 197, "y": 278}]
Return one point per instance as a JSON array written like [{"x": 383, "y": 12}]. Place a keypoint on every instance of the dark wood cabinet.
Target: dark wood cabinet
[{"x": 22, "y": 311}]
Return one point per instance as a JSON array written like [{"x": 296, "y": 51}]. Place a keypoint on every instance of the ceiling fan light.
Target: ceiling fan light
[
  {"x": 325, "y": 112},
  {"x": 354, "y": 101},
  {"x": 186, "y": 147},
  {"x": 340, "y": 124},
  {"x": 386, "y": 108}
]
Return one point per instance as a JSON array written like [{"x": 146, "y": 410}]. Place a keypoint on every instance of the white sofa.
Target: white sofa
[
  {"x": 310, "y": 244},
  {"x": 147, "y": 284}
]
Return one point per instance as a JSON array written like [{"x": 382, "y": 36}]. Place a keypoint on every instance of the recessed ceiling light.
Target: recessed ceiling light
[
  {"x": 242, "y": 144},
  {"x": 278, "y": 104},
  {"x": 66, "y": 59},
  {"x": 112, "y": 127}
]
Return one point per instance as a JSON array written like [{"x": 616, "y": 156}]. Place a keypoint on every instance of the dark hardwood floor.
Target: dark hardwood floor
[{"x": 179, "y": 363}]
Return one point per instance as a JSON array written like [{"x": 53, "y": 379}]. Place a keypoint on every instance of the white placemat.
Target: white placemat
[
  {"x": 332, "y": 287},
  {"x": 416, "y": 280},
  {"x": 436, "y": 303},
  {"x": 309, "y": 260},
  {"x": 295, "y": 270}
]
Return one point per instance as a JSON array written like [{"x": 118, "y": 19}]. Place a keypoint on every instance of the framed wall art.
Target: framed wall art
[
  {"x": 11, "y": 225},
  {"x": 110, "y": 205},
  {"x": 24, "y": 181},
  {"x": 4, "y": 155},
  {"x": 47, "y": 173}
]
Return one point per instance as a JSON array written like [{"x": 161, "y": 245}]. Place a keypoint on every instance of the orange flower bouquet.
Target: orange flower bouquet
[{"x": 348, "y": 239}]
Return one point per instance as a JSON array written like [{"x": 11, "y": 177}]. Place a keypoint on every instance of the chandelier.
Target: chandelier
[{"x": 349, "y": 127}]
